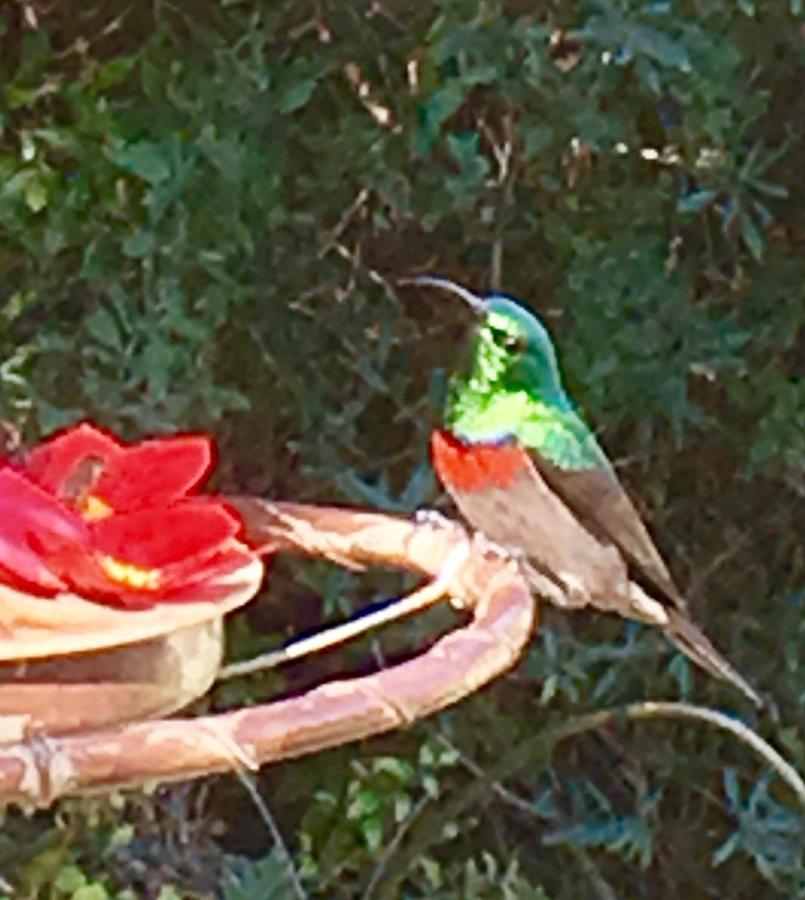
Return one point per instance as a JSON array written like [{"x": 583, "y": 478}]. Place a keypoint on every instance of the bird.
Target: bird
[{"x": 525, "y": 470}]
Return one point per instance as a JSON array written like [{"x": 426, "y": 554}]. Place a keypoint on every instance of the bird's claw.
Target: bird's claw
[
  {"x": 433, "y": 518},
  {"x": 486, "y": 545},
  {"x": 489, "y": 547}
]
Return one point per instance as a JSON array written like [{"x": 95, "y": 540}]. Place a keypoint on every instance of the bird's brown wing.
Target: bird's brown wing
[
  {"x": 603, "y": 506},
  {"x": 597, "y": 497}
]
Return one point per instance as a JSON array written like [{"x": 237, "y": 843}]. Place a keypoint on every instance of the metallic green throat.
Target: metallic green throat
[{"x": 513, "y": 389}]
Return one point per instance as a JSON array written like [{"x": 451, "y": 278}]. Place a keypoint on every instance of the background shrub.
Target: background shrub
[{"x": 203, "y": 212}]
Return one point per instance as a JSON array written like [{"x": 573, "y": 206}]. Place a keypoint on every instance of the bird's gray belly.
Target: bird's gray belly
[{"x": 530, "y": 517}]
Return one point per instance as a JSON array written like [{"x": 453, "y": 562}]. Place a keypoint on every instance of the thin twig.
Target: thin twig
[
  {"x": 241, "y": 764},
  {"x": 582, "y": 858},
  {"x": 426, "y": 596},
  {"x": 349, "y": 214},
  {"x": 650, "y": 710},
  {"x": 394, "y": 843},
  {"x": 537, "y": 751},
  {"x": 268, "y": 820}
]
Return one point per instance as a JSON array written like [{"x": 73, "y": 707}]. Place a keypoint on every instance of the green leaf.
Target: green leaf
[
  {"x": 264, "y": 879},
  {"x": 113, "y": 72},
  {"x": 732, "y": 787},
  {"x": 371, "y": 376},
  {"x": 19, "y": 95},
  {"x": 372, "y": 831},
  {"x": 751, "y": 236},
  {"x": 726, "y": 850},
  {"x": 167, "y": 892},
  {"x": 69, "y": 879},
  {"x": 297, "y": 95},
  {"x": 400, "y": 769},
  {"x": 695, "y": 201},
  {"x": 102, "y": 326},
  {"x": 91, "y": 892},
  {"x": 660, "y": 47},
  {"x": 140, "y": 244},
  {"x": 17, "y": 304},
  {"x": 364, "y": 803},
  {"x": 474, "y": 166},
  {"x": 535, "y": 139},
  {"x": 158, "y": 360},
  {"x": 432, "y": 112},
  {"x": 419, "y": 488},
  {"x": 36, "y": 194},
  {"x": 145, "y": 159},
  {"x": 779, "y": 191},
  {"x": 403, "y": 805}
]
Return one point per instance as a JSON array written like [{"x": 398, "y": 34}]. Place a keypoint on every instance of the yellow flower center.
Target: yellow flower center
[
  {"x": 95, "y": 508},
  {"x": 131, "y": 576}
]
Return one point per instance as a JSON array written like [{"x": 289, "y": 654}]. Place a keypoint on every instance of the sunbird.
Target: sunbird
[{"x": 525, "y": 470}]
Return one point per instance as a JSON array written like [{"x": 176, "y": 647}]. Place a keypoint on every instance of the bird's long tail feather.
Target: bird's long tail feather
[{"x": 693, "y": 643}]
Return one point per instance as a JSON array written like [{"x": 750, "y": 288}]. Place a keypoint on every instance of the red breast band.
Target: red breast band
[{"x": 474, "y": 467}]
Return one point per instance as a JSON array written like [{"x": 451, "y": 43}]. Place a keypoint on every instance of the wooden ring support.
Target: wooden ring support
[{"x": 43, "y": 767}]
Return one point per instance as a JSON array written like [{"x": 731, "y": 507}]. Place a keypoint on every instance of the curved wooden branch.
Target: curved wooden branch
[{"x": 44, "y": 768}]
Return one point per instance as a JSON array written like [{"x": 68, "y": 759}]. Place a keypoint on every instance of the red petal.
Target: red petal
[
  {"x": 53, "y": 462},
  {"x": 155, "y": 538},
  {"x": 182, "y": 578},
  {"x": 187, "y": 582},
  {"x": 26, "y": 572},
  {"x": 31, "y": 522},
  {"x": 13, "y": 579},
  {"x": 154, "y": 472}
]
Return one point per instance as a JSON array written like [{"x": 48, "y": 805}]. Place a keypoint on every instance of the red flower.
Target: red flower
[{"x": 115, "y": 523}]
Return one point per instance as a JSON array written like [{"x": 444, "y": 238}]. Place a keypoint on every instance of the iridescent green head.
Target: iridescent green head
[{"x": 512, "y": 374}]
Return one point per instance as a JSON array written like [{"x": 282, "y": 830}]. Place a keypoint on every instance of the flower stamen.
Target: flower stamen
[
  {"x": 131, "y": 576},
  {"x": 94, "y": 508}
]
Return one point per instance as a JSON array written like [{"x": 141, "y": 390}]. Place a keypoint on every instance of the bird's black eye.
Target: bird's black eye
[{"x": 512, "y": 343}]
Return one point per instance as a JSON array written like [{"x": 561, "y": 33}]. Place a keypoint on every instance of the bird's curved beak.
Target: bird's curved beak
[{"x": 478, "y": 304}]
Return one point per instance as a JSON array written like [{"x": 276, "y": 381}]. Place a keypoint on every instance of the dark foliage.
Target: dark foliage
[{"x": 203, "y": 211}]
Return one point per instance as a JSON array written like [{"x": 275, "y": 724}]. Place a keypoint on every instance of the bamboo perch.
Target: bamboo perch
[{"x": 43, "y": 768}]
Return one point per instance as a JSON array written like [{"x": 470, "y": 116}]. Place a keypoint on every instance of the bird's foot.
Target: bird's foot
[
  {"x": 499, "y": 551},
  {"x": 433, "y": 518},
  {"x": 486, "y": 545}
]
